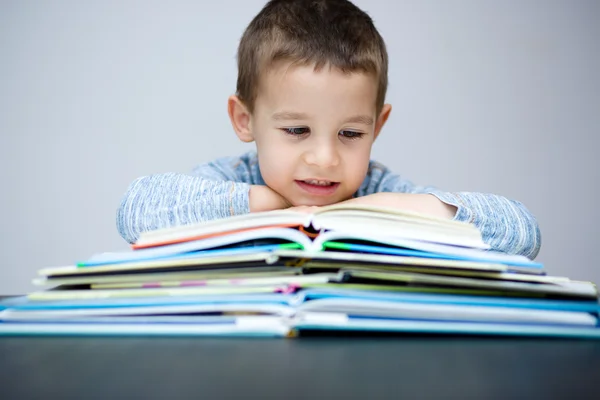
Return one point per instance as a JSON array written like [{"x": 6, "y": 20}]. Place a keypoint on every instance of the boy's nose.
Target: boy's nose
[{"x": 323, "y": 155}]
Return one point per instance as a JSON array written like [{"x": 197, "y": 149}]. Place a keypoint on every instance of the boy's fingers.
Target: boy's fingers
[{"x": 304, "y": 209}]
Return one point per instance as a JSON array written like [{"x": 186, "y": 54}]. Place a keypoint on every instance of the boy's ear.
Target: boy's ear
[
  {"x": 382, "y": 118},
  {"x": 240, "y": 119}
]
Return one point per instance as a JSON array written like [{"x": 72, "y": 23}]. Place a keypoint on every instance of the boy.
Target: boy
[{"x": 312, "y": 78}]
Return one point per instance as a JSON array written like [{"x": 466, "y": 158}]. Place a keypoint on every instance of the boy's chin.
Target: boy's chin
[{"x": 313, "y": 202}]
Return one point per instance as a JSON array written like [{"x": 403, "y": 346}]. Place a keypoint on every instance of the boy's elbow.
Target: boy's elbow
[
  {"x": 130, "y": 209},
  {"x": 530, "y": 237},
  {"x": 124, "y": 223},
  {"x": 514, "y": 230},
  {"x": 534, "y": 235}
]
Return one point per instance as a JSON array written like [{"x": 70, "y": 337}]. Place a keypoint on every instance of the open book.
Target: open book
[
  {"x": 369, "y": 230},
  {"x": 358, "y": 219}
]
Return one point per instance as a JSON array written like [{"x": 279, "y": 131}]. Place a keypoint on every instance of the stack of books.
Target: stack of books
[{"x": 286, "y": 273}]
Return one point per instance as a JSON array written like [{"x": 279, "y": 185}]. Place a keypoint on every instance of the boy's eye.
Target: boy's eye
[
  {"x": 296, "y": 131},
  {"x": 351, "y": 134}
]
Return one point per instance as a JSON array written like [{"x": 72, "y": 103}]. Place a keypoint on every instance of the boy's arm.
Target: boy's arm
[
  {"x": 506, "y": 225},
  {"x": 214, "y": 190}
]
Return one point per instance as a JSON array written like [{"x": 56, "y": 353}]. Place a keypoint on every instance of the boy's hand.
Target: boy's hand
[
  {"x": 305, "y": 209},
  {"x": 263, "y": 198},
  {"x": 421, "y": 203}
]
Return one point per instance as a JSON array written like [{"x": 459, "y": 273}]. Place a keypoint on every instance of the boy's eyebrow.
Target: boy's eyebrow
[
  {"x": 287, "y": 116},
  {"x": 360, "y": 119},
  {"x": 294, "y": 116}
]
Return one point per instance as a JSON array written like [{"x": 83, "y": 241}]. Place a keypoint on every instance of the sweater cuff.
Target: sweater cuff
[
  {"x": 463, "y": 213},
  {"x": 239, "y": 198}
]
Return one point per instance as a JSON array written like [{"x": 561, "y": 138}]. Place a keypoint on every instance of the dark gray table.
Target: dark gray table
[{"x": 313, "y": 367}]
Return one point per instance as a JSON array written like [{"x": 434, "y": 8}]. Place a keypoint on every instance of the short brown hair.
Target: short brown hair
[{"x": 320, "y": 32}]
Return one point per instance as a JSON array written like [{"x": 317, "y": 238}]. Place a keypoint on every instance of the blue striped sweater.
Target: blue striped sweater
[{"x": 220, "y": 188}]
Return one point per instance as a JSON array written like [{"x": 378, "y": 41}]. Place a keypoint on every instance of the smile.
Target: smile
[
  {"x": 318, "y": 183},
  {"x": 318, "y": 187}
]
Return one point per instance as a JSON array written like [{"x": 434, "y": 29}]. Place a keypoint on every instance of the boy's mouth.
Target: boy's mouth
[{"x": 318, "y": 186}]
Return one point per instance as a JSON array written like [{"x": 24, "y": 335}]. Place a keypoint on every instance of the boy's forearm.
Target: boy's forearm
[
  {"x": 421, "y": 203},
  {"x": 506, "y": 225},
  {"x": 166, "y": 200},
  {"x": 263, "y": 198}
]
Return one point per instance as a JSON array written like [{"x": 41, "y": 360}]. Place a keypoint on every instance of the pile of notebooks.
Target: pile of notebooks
[{"x": 285, "y": 273}]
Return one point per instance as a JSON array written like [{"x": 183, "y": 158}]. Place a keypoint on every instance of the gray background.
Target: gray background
[{"x": 491, "y": 96}]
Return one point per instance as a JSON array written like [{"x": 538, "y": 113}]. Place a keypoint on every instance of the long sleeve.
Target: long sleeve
[
  {"x": 506, "y": 225},
  {"x": 213, "y": 190},
  {"x": 221, "y": 188}
]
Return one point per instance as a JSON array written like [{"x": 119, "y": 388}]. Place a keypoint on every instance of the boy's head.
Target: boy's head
[{"x": 312, "y": 78}]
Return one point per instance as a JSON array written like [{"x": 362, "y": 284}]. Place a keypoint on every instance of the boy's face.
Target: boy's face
[{"x": 314, "y": 132}]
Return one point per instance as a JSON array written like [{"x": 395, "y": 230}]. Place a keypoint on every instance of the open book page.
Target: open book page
[
  {"x": 397, "y": 240},
  {"x": 300, "y": 258},
  {"x": 250, "y": 271},
  {"x": 296, "y": 280},
  {"x": 249, "y": 256},
  {"x": 386, "y": 213},
  {"x": 336, "y": 217},
  {"x": 149, "y": 292},
  {"x": 247, "y": 237},
  {"x": 445, "y": 312},
  {"x": 559, "y": 288},
  {"x": 407, "y": 252}
]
